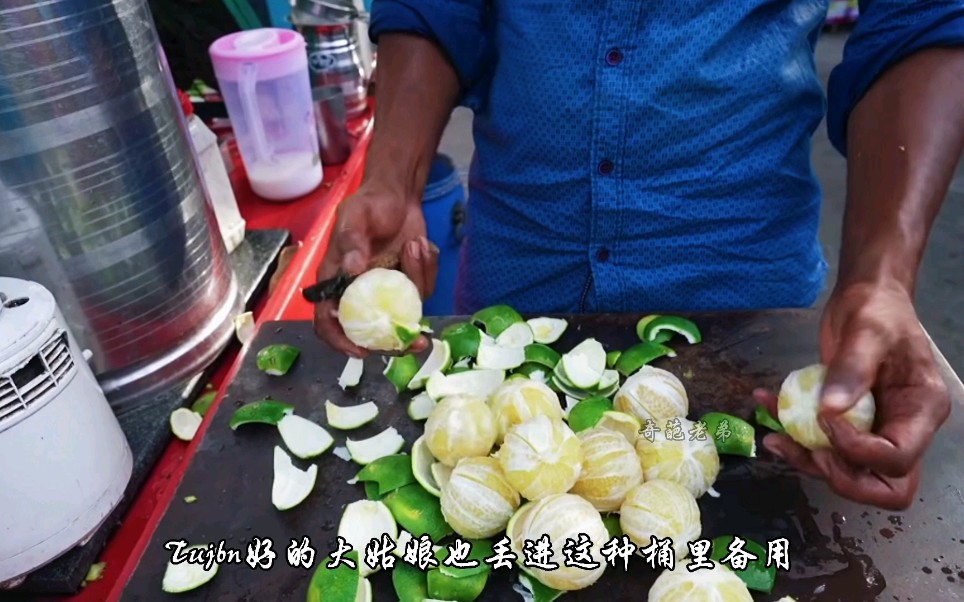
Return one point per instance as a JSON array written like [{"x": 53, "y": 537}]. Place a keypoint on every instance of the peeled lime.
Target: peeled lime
[
  {"x": 381, "y": 310},
  {"x": 799, "y": 402}
]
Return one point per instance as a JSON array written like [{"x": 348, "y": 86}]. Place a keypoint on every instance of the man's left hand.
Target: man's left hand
[{"x": 871, "y": 340}]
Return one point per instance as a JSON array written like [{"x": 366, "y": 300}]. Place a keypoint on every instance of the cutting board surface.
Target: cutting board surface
[{"x": 840, "y": 552}]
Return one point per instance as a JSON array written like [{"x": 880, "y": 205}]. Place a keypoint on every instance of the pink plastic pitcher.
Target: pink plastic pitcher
[{"x": 263, "y": 77}]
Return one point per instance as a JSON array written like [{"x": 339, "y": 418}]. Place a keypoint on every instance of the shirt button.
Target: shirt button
[
  {"x": 614, "y": 56},
  {"x": 602, "y": 254},
  {"x": 606, "y": 167}
]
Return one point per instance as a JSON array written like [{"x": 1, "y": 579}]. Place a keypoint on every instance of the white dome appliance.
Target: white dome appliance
[{"x": 64, "y": 460}]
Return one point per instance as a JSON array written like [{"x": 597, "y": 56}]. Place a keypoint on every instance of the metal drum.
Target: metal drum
[
  {"x": 335, "y": 59},
  {"x": 100, "y": 197}
]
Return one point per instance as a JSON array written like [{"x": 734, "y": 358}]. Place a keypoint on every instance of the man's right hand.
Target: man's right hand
[{"x": 372, "y": 223}]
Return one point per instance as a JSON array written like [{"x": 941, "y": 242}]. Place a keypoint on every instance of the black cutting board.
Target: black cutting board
[{"x": 839, "y": 551}]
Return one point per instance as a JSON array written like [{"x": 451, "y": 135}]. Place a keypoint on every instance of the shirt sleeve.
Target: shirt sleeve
[
  {"x": 459, "y": 27},
  {"x": 887, "y": 31}
]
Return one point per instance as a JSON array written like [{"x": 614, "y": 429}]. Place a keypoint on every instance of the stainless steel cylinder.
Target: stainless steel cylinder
[
  {"x": 334, "y": 59},
  {"x": 101, "y": 200}
]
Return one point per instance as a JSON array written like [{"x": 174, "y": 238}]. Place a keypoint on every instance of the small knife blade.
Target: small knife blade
[{"x": 333, "y": 288}]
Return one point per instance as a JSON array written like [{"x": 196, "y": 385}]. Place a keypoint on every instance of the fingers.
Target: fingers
[
  {"x": 420, "y": 264},
  {"x": 795, "y": 455},
  {"x": 767, "y": 399},
  {"x": 853, "y": 368},
  {"x": 329, "y": 330},
  {"x": 900, "y": 441},
  {"x": 867, "y": 487}
]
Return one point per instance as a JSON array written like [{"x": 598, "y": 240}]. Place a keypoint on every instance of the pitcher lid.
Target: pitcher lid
[{"x": 257, "y": 43}]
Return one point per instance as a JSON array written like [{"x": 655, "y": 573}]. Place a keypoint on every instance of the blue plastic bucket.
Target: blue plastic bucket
[{"x": 443, "y": 204}]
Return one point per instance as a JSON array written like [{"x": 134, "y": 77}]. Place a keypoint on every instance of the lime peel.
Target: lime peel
[
  {"x": 421, "y": 406},
  {"x": 763, "y": 417},
  {"x": 400, "y": 371},
  {"x": 185, "y": 423},
  {"x": 277, "y": 359},
  {"x": 352, "y": 373},
  {"x": 265, "y": 411},
  {"x": 731, "y": 434},
  {"x": 186, "y": 576},
  {"x": 478, "y": 382},
  {"x": 418, "y": 511},
  {"x": 346, "y": 418},
  {"x": 303, "y": 437},
  {"x": 291, "y": 485},
  {"x": 388, "y": 473},
  {"x": 757, "y": 576},
  {"x": 385, "y": 443},
  {"x": 422, "y": 461},
  {"x": 365, "y": 520},
  {"x": 438, "y": 360},
  {"x": 650, "y": 327},
  {"x": 495, "y": 319},
  {"x": 339, "y": 584},
  {"x": 547, "y": 330}
]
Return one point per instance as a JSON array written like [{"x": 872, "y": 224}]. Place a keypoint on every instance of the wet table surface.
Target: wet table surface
[{"x": 839, "y": 551}]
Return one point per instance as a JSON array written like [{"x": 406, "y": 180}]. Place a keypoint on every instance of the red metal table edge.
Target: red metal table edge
[{"x": 285, "y": 302}]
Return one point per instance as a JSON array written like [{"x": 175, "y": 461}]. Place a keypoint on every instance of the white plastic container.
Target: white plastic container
[
  {"x": 64, "y": 460},
  {"x": 263, "y": 77},
  {"x": 216, "y": 180}
]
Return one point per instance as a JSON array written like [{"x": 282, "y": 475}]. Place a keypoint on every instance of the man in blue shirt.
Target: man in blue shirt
[{"x": 653, "y": 155}]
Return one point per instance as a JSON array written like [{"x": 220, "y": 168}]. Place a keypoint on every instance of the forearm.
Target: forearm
[
  {"x": 417, "y": 90},
  {"x": 905, "y": 138}
]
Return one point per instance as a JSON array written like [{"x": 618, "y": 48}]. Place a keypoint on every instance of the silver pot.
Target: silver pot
[{"x": 100, "y": 198}]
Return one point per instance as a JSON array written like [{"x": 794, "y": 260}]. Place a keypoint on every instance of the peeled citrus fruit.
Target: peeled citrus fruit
[
  {"x": 610, "y": 469},
  {"x": 799, "y": 401},
  {"x": 380, "y": 310},
  {"x": 693, "y": 462},
  {"x": 460, "y": 426},
  {"x": 652, "y": 394},
  {"x": 541, "y": 457},
  {"x": 478, "y": 501},
  {"x": 662, "y": 509},
  {"x": 562, "y": 517},
  {"x": 718, "y": 584},
  {"x": 518, "y": 400}
]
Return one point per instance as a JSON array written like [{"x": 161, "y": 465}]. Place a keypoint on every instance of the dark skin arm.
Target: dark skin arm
[
  {"x": 417, "y": 90},
  {"x": 905, "y": 138}
]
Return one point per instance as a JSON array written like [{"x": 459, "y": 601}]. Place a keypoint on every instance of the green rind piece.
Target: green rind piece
[
  {"x": 756, "y": 575},
  {"x": 496, "y": 318},
  {"x": 338, "y": 584},
  {"x": 411, "y": 584},
  {"x": 463, "y": 339},
  {"x": 612, "y": 525},
  {"x": 542, "y": 592},
  {"x": 456, "y": 589},
  {"x": 203, "y": 403},
  {"x": 277, "y": 359},
  {"x": 537, "y": 353},
  {"x": 763, "y": 417},
  {"x": 481, "y": 549},
  {"x": 585, "y": 414},
  {"x": 649, "y": 328},
  {"x": 388, "y": 473},
  {"x": 639, "y": 355},
  {"x": 418, "y": 511},
  {"x": 742, "y": 436},
  {"x": 612, "y": 357},
  {"x": 265, "y": 411}
]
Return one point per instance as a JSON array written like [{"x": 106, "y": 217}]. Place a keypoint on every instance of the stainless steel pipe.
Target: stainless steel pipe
[{"x": 101, "y": 200}]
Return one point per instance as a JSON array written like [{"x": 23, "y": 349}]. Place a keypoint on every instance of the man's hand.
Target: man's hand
[
  {"x": 871, "y": 339},
  {"x": 369, "y": 224}
]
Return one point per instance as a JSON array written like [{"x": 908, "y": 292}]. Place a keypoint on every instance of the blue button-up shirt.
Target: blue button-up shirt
[{"x": 652, "y": 155}]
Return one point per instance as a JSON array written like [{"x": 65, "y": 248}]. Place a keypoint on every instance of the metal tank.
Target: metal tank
[{"x": 100, "y": 197}]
